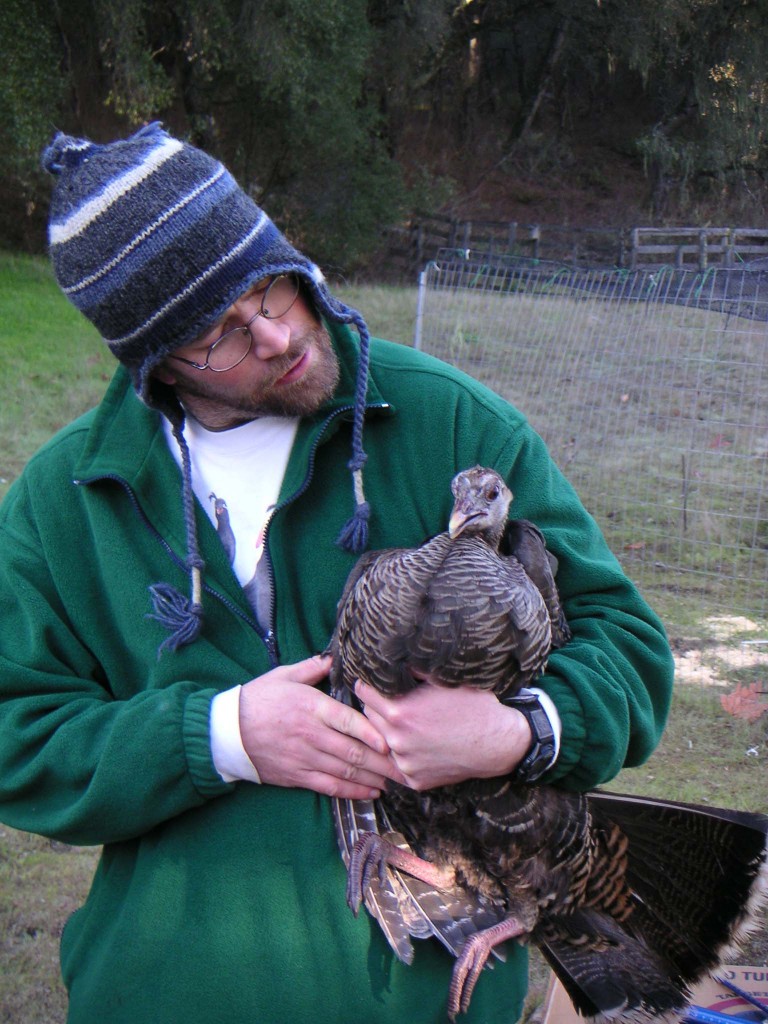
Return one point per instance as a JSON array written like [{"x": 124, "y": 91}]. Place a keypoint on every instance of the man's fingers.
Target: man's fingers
[
  {"x": 350, "y": 723},
  {"x": 330, "y": 785},
  {"x": 310, "y": 671},
  {"x": 361, "y": 774},
  {"x": 303, "y": 737},
  {"x": 367, "y": 695}
]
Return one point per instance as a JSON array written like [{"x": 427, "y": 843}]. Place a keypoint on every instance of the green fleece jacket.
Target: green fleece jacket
[{"x": 217, "y": 902}]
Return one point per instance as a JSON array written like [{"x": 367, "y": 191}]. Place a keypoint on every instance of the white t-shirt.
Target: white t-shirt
[{"x": 237, "y": 475}]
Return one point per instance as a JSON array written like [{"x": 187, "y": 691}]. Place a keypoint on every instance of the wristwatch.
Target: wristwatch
[{"x": 542, "y": 749}]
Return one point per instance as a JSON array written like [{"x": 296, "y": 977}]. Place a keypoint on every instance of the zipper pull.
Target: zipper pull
[{"x": 271, "y": 642}]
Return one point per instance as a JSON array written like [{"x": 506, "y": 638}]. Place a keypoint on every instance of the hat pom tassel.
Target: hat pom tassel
[
  {"x": 354, "y": 533},
  {"x": 177, "y": 613}
]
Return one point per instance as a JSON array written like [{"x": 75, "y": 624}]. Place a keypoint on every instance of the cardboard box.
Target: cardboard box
[{"x": 708, "y": 994}]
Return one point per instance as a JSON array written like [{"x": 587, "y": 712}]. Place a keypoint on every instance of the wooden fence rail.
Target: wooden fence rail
[
  {"x": 411, "y": 246},
  {"x": 697, "y": 248}
]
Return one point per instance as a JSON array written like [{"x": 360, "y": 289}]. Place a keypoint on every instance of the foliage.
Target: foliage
[
  {"x": 303, "y": 137},
  {"x": 324, "y": 111},
  {"x": 275, "y": 88},
  {"x": 713, "y": 118},
  {"x": 140, "y": 89},
  {"x": 31, "y": 84}
]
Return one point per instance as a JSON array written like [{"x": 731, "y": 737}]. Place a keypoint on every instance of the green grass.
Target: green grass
[
  {"x": 53, "y": 367},
  {"x": 52, "y": 363},
  {"x": 706, "y": 756}
]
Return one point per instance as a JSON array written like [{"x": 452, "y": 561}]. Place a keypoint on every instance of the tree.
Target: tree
[
  {"x": 298, "y": 128},
  {"x": 690, "y": 73},
  {"x": 275, "y": 88},
  {"x": 33, "y": 89},
  {"x": 325, "y": 111}
]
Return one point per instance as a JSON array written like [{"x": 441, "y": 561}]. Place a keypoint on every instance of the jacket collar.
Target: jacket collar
[{"x": 348, "y": 350}]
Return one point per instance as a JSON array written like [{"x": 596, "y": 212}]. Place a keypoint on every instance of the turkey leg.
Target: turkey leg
[
  {"x": 473, "y": 958},
  {"x": 372, "y": 853}
]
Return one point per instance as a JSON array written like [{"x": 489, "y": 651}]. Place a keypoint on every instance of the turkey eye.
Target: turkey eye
[{"x": 493, "y": 494}]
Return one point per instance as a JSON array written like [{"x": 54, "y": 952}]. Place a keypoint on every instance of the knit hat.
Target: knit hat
[{"x": 153, "y": 240}]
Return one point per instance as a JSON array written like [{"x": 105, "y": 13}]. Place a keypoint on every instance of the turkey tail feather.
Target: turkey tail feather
[
  {"x": 384, "y": 898},
  {"x": 608, "y": 973},
  {"x": 698, "y": 875}
]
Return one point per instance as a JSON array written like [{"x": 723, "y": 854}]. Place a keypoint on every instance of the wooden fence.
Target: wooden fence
[
  {"x": 697, "y": 248},
  {"x": 410, "y": 247}
]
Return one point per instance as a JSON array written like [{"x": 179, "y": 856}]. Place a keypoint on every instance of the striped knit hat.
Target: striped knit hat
[{"x": 153, "y": 240}]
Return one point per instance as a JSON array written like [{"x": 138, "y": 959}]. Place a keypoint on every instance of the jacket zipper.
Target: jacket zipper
[
  {"x": 293, "y": 497},
  {"x": 268, "y": 636},
  {"x": 178, "y": 561}
]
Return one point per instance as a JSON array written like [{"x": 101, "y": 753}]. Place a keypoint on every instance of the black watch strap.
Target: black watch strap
[{"x": 542, "y": 749}]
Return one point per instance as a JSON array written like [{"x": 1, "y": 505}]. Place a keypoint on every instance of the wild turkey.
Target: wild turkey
[
  {"x": 454, "y": 608},
  {"x": 631, "y": 900}
]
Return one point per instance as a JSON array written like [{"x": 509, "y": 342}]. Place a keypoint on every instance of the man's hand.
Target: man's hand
[
  {"x": 296, "y": 735},
  {"x": 438, "y": 736}
]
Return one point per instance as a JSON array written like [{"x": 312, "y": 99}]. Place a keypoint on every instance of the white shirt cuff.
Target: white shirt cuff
[
  {"x": 553, "y": 715},
  {"x": 229, "y": 757}
]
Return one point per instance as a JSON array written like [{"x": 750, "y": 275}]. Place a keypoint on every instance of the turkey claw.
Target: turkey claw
[
  {"x": 368, "y": 856},
  {"x": 466, "y": 972}
]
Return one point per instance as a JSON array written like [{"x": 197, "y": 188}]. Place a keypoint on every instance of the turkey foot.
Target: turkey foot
[
  {"x": 472, "y": 960},
  {"x": 372, "y": 853}
]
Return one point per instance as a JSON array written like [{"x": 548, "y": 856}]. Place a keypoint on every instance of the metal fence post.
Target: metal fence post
[{"x": 420, "y": 309}]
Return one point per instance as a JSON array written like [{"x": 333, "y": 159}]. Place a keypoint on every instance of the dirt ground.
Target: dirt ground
[{"x": 733, "y": 644}]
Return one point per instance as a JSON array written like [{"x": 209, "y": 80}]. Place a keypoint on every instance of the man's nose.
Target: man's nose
[{"x": 270, "y": 337}]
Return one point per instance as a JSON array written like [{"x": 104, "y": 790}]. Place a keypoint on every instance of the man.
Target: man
[{"x": 169, "y": 568}]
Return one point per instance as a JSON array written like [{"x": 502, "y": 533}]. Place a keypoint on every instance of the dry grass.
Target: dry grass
[
  {"x": 705, "y": 755},
  {"x": 41, "y": 883},
  {"x": 658, "y": 413},
  {"x": 389, "y": 311}
]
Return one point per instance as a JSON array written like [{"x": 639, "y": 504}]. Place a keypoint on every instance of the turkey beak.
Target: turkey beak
[{"x": 458, "y": 521}]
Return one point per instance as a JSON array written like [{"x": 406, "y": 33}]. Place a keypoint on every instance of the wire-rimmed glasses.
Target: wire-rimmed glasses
[{"x": 278, "y": 294}]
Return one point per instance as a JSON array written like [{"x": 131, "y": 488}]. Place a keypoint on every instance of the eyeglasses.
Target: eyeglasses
[{"x": 277, "y": 294}]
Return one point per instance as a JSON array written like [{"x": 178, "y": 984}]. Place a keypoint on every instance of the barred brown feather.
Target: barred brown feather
[
  {"x": 631, "y": 900},
  {"x": 454, "y": 609}
]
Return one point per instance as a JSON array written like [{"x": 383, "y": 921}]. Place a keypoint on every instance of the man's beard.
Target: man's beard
[{"x": 220, "y": 408}]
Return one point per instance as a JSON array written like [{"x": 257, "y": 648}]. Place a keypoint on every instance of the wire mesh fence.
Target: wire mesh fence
[{"x": 651, "y": 390}]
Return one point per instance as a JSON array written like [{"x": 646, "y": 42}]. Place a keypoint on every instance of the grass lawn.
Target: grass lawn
[{"x": 53, "y": 367}]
